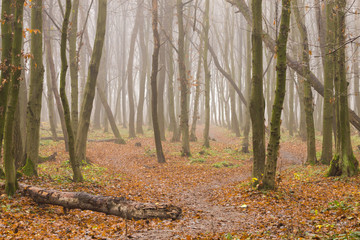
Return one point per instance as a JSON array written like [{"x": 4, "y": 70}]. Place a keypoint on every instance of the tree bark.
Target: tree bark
[
  {"x": 10, "y": 170},
  {"x": 75, "y": 165},
  {"x": 35, "y": 90},
  {"x": 154, "y": 71},
  {"x": 117, "y": 206},
  {"x": 328, "y": 118},
  {"x": 143, "y": 72},
  {"x": 308, "y": 98},
  {"x": 344, "y": 162},
  {"x": 130, "y": 88},
  {"x": 256, "y": 106},
  {"x": 6, "y": 39},
  {"x": 74, "y": 65},
  {"x": 207, "y": 74},
  {"x": 184, "y": 116},
  {"x": 268, "y": 181},
  {"x": 87, "y": 103},
  {"x": 109, "y": 114}
]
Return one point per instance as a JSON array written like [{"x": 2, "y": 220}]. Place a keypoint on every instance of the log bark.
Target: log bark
[{"x": 117, "y": 206}]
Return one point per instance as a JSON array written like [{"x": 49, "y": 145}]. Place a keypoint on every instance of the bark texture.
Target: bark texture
[
  {"x": 184, "y": 117},
  {"x": 117, "y": 206},
  {"x": 154, "y": 71},
  {"x": 35, "y": 91},
  {"x": 75, "y": 165},
  {"x": 87, "y": 103},
  {"x": 9, "y": 161},
  {"x": 268, "y": 181},
  {"x": 257, "y": 102}
]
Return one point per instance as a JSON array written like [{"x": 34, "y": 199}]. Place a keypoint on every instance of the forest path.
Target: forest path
[{"x": 196, "y": 192}]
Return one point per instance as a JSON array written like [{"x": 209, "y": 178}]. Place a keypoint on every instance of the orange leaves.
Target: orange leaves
[{"x": 35, "y": 31}]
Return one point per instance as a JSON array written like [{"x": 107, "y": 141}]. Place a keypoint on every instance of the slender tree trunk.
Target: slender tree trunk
[
  {"x": 197, "y": 97},
  {"x": 75, "y": 165},
  {"x": 207, "y": 74},
  {"x": 245, "y": 144},
  {"x": 308, "y": 98},
  {"x": 143, "y": 71},
  {"x": 327, "y": 144},
  {"x": 291, "y": 107},
  {"x": 257, "y": 97},
  {"x": 10, "y": 170},
  {"x": 173, "y": 123},
  {"x": 154, "y": 71},
  {"x": 268, "y": 181},
  {"x": 109, "y": 114},
  {"x": 130, "y": 88},
  {"x": 89, "y": 93},
  {"x": 36, "y": 89},
  {"x": 74, "y": 65},
  {"x": 50, "y": 62},
  {"x": 184, "y": 116}
]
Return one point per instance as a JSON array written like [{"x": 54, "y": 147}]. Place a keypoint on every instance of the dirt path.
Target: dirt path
[{"x": 200, "y": 214}]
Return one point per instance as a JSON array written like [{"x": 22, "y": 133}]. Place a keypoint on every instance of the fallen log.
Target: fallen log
[{"x": 118, "y": 206}]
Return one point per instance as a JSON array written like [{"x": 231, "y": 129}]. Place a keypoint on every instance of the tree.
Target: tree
[
  {"x": 327, "y": 145},
  {"x": 6, "y": 38},
  {"x": 257, "y": 105},
  {"x": 184, "y": 117},
  {"x": 207, "y": 74},
  {"x": 130, "y": 93},
  {"x": 74, "y": 64},
  {"x": 268, "y": 181},
  {"x": 344, "y": 162},
  {"x": 308, "y": 99},
  {"x": 10, "y": 171},
  {"x": 75, "y": 165},
  {"x": 89, "y": 93},
  {"x": 154, "y": 71},
  {"x": 35, "y": 89}
]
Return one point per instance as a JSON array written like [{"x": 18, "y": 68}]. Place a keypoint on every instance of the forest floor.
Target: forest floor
[{"x": 212, "y": 187}]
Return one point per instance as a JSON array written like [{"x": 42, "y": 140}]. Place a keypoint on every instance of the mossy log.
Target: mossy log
[{"x": 118, "y": 206}]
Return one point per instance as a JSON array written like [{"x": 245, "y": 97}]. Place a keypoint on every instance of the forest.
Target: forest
[{"x": 180, "y": 119}]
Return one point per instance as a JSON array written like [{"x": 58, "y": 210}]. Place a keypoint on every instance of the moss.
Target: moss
[
  {"x": 29, "y": 168},
  {"x": 2, "y": 174}
]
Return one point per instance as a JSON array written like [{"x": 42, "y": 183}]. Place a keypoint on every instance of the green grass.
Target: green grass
[
  {"x": 197, "y": 160},
  {"x": 224, "y": 164}
]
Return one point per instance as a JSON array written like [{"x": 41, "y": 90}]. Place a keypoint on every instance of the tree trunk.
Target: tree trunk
[
  {"x": 109, "y": 114},
  {"x": 195, "y": 117},
  {"x": 50, "y": 62},
  {"x": 6, "y": 38},
  {"x": 291, "y": 62},
  {"x": 170, "y": 64},
  {"x": 184, "y": 116},
  {"x": 245, "y": 144},
  {"x": 268, "y": 181},
  {"x": 117, "y": 206},
  {"x": 344, "y": 162},
  {"x": 35, "y": 90},
  {"x": 207, "y": 74},
  {"x": 75, "y": 165},
  {"x": 143, "y": 71},
  {"x": 154, "y": 71},
  {"x": 89, "y": 93},
  {"x": 327, "y": 144},
  {"x": 308, "y": 98},
  {"x": 130, "y": 88},
  {"x": 10, "y": 170},
  {"x": 257, "y": 98},
  {"x": 74, "y": 65}
]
